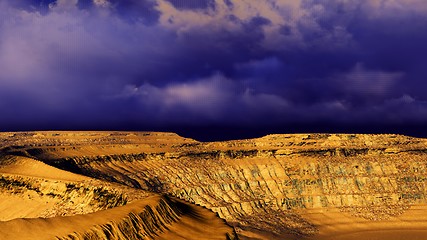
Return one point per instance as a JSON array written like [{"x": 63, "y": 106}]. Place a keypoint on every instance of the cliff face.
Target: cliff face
[{"x": 264, "y": 187}]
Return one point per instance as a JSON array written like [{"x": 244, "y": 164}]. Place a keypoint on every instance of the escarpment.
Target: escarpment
[{"x": 275, "y": 187}]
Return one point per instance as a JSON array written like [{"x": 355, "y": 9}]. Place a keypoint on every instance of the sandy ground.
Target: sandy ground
[{"x": 336, "y": 225}]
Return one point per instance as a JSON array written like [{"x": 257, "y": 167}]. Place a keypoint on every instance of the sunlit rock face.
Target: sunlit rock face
[{"x": 275, "y": 187}]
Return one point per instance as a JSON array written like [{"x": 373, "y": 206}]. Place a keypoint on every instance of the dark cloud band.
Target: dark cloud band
[{"x": 257, "y": 65}]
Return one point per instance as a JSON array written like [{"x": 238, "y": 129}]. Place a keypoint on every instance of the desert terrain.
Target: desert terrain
[{"x": 153, "y": 185}]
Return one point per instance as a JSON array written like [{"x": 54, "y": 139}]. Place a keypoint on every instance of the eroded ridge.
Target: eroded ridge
[{"x": 152, "y": 218}]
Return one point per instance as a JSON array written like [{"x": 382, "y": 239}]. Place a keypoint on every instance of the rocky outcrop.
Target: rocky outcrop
[{"x": 54, "y": 198}]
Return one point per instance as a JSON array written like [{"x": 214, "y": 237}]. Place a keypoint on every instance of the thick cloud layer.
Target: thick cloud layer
[{"x": 240, "y": 67}]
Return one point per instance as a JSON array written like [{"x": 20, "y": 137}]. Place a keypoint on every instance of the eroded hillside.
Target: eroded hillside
[
  {"x": 275, "y": 187},
  {"x": 40, "y": 201}
]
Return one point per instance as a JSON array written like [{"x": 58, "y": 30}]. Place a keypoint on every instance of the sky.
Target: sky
[{"x": 214, "y": 69}]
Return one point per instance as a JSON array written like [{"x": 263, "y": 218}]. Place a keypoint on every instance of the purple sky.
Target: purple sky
[{"x": 214, "y": 69}]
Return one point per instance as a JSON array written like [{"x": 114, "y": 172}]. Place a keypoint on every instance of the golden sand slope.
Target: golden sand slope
[{"x": 24, "y": 166}]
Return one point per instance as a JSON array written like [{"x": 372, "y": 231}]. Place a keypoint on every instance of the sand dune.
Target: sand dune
[{"x": 24, "y": 166}]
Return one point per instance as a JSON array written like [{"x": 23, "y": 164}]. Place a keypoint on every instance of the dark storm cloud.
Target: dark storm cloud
[
  {"x": 192, "y": 4},
  {"x": 274, "y": 65}
]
